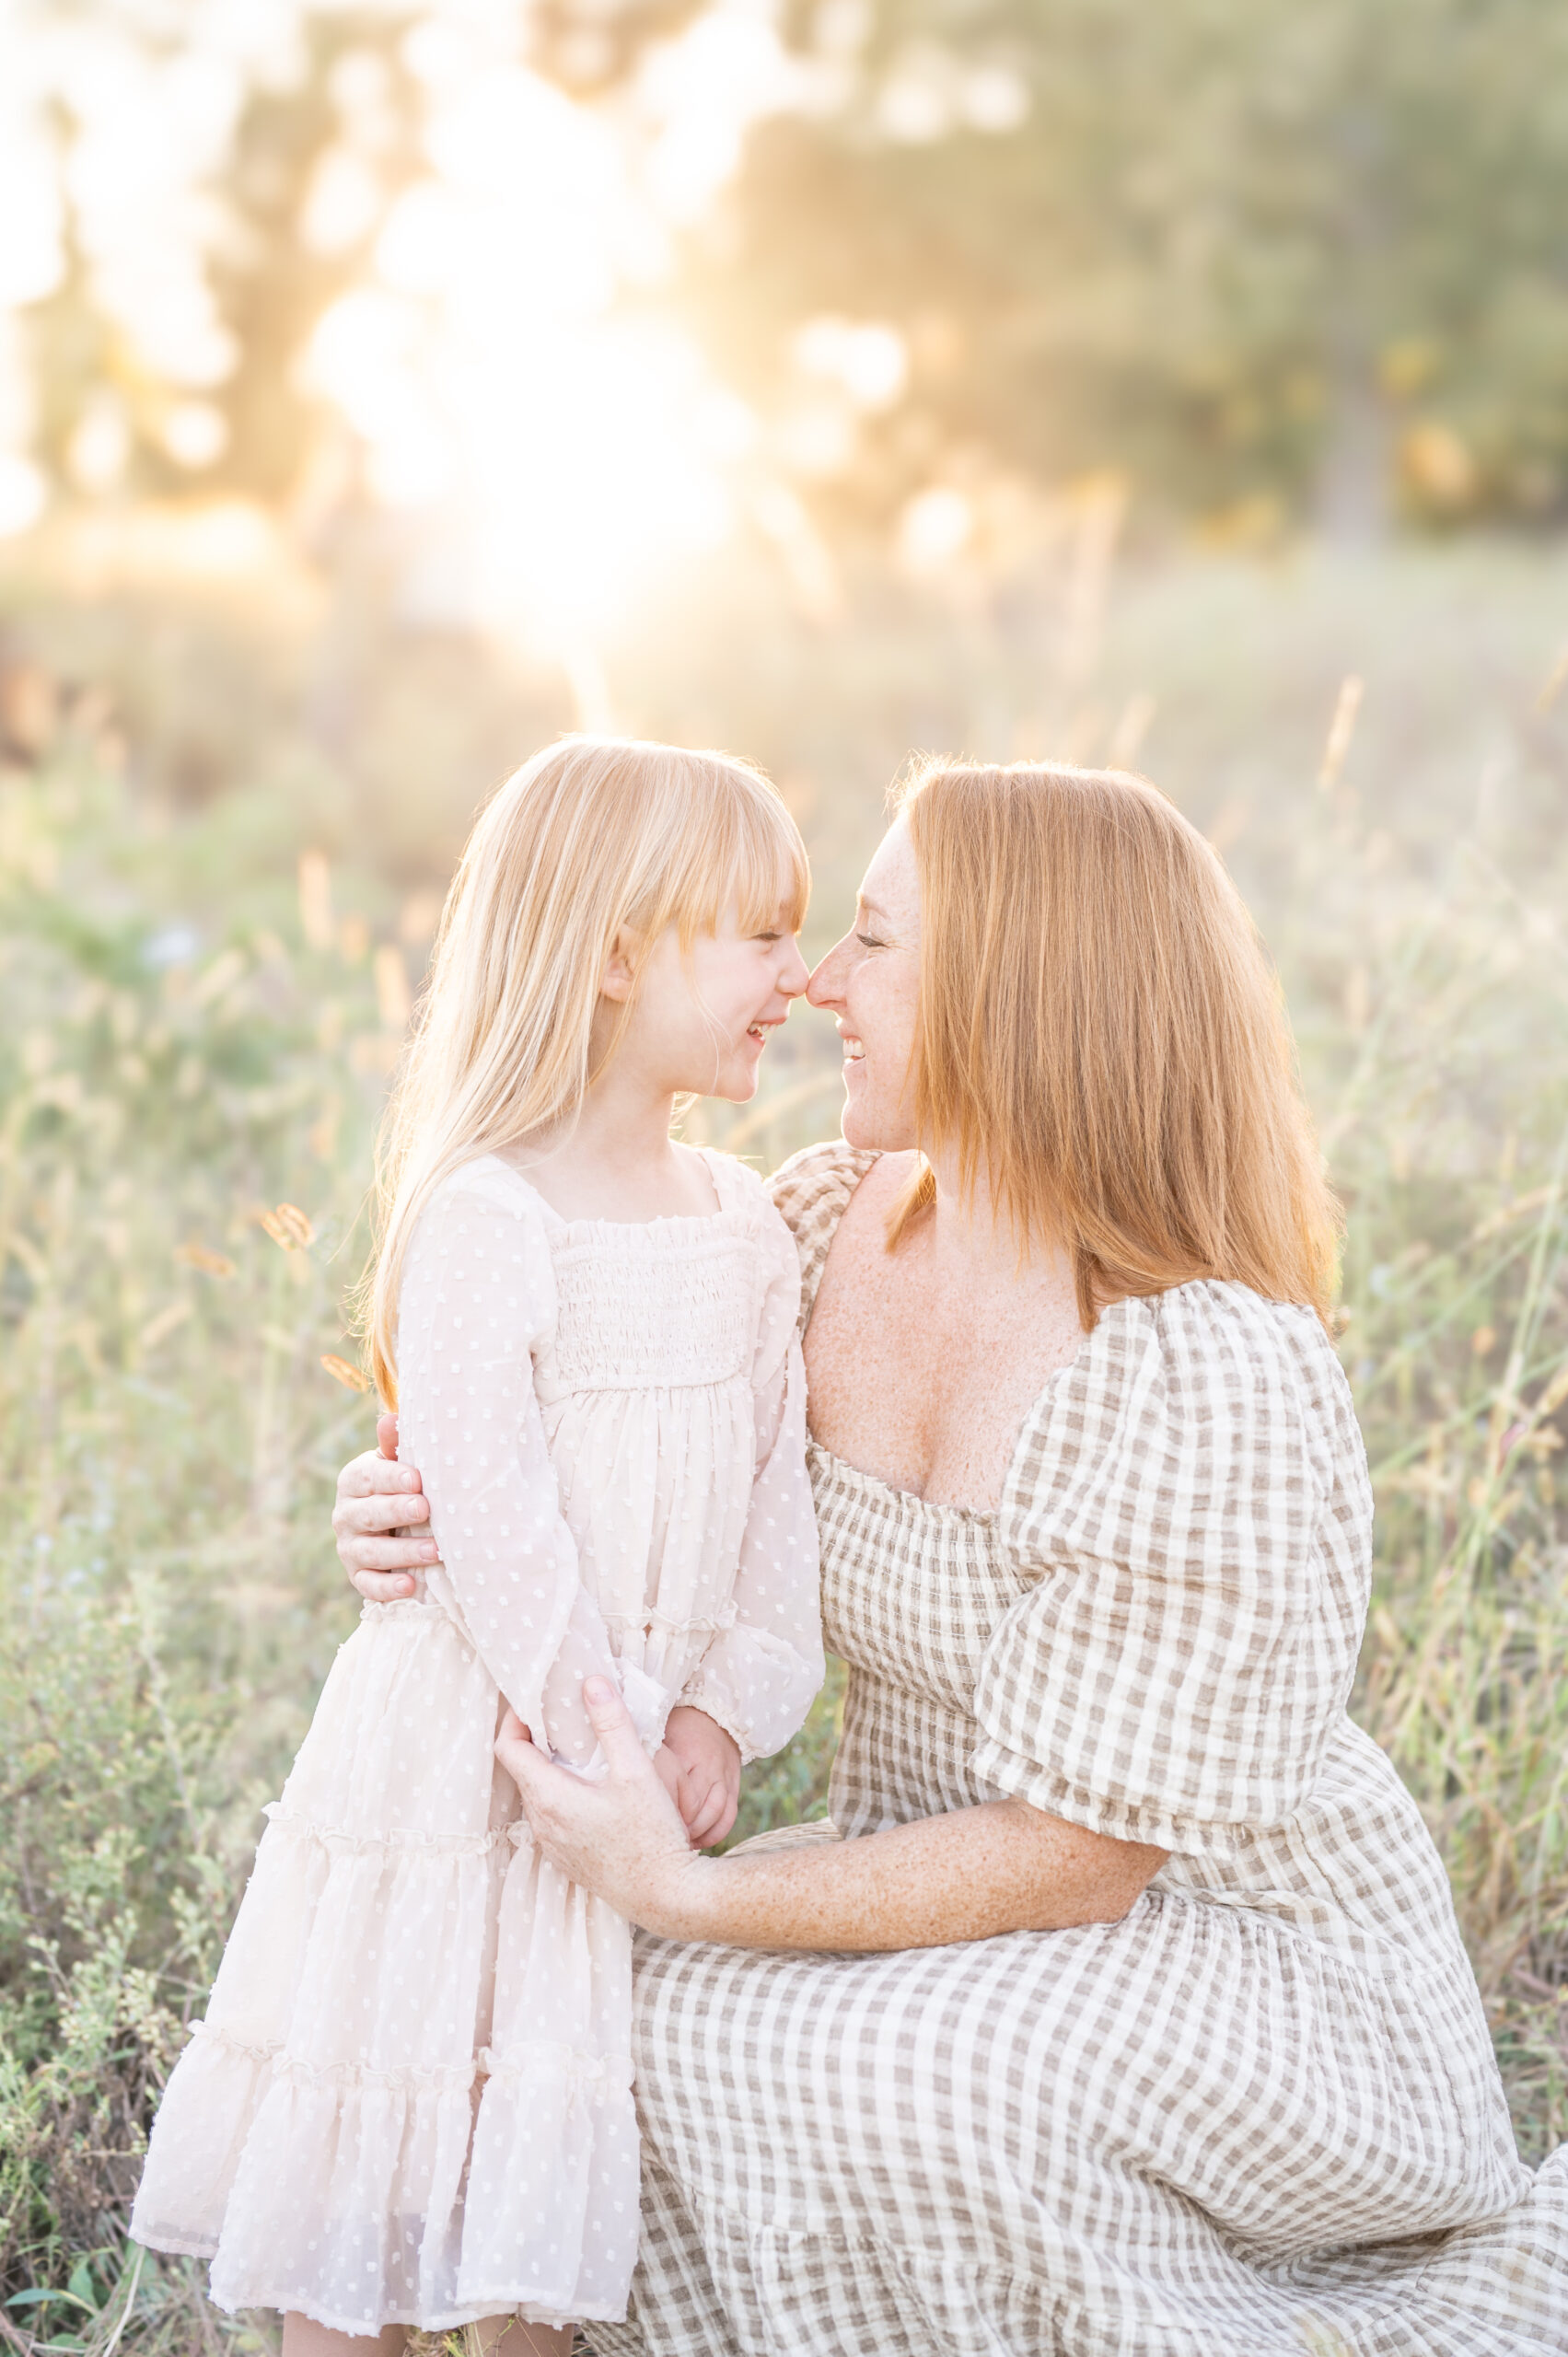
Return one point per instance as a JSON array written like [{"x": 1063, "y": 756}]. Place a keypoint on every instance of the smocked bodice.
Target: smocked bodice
[{"x": 672, "y": 1306}]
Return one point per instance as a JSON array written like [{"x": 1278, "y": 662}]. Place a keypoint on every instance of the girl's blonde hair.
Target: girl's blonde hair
[
  {"x": 1101, "y": 1032},
  {"x": 591, "y": 838}
]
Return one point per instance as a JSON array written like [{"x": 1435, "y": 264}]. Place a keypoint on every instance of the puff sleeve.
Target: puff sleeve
[
  {"x": 758, "y": 1677},
  {"x": 1190, "y": 1500},
  {"x": 478, "y": 1298}
]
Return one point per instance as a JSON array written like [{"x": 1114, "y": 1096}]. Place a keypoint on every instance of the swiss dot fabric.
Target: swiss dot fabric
[
  {"x": 411, "y": 2098},
  {"x": 1258, "y": 2118}
]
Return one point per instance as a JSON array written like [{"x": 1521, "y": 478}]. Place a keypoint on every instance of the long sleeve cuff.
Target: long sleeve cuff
[{"x": 648, "y": 1702}]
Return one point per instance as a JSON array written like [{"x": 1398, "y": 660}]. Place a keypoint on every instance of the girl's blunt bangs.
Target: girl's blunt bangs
[{"x": 750, "y": 838}]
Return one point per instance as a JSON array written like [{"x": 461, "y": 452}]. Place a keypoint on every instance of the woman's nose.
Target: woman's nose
[{"x": 824, "y": 986}]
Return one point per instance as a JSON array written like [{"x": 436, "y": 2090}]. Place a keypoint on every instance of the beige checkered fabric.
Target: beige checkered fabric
[{"x": 1260, "y": 2115}]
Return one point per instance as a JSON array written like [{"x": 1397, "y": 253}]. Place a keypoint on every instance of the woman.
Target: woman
[{"x": 1120, "y": 2006}]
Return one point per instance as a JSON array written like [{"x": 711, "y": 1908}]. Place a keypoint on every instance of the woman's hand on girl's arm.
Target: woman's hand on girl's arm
[
  {"x": 622, "y": 1838},
  {"x": 380, "y": 1501},
  {"x": 1002, "y": 1867}
]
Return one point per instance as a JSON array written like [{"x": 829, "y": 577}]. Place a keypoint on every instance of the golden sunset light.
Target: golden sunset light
[{"x": 783, "y": 1160}]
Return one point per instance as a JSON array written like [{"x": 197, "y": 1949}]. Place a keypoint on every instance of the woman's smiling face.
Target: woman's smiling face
[{"x": 869, "y": 983}]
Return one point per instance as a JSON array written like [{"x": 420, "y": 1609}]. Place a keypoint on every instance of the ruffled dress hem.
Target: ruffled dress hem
[
  {"x": 497, "y": 2303},
  {"x": 251, "y": 2120}
]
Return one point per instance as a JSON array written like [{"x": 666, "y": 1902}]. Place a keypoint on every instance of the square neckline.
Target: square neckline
[
  {"x": 857, "y": 1475},
  {"x": 991, "y": 1515},
  {"x": 624, "y": 1227}
]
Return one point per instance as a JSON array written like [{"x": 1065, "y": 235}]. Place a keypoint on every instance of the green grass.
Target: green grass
[{"x": 179, "y": 1059}]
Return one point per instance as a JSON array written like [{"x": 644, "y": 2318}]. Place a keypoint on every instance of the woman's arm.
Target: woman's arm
[
  {"x": 967, "y": 1875},
  {"x": 1002, "y": 1867}
]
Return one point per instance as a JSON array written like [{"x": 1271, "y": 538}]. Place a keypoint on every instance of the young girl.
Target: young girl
[{"x": 409, "y": 2102}]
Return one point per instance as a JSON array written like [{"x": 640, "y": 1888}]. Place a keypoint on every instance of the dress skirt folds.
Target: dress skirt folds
[{"x": 411, "y": 2023}]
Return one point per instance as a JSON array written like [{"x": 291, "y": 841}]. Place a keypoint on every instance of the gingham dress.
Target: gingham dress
[{"x": 1261, "y": 2113}]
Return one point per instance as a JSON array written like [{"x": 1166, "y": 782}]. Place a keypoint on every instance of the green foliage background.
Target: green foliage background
[
  {"x": 190, "y": 1044},
  {"x": 1262, "y": 258}
]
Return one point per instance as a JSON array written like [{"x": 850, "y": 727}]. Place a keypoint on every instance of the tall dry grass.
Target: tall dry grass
[{"x": 189, "y": 1068}]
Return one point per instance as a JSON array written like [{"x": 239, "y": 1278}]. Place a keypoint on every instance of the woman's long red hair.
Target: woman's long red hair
[{"x": 1101, "y": 1034}]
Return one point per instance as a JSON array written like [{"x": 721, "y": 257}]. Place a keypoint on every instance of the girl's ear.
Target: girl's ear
[{"x": 619, "y": 969}]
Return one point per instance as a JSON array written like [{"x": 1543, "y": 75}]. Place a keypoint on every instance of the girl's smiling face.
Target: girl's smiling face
[
  {"x": 869, "y": 983},
  {"x": 700, "y": 1019}
]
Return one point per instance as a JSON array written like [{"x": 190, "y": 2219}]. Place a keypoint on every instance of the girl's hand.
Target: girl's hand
[
  {"x": 622, "y": 1838},
  {"x": 707, "y": 1761},
  {"x": 667, "y": 1768},
  {"x": 381, "y": 1505}
]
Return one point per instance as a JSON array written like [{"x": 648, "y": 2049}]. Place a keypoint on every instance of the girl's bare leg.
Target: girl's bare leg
[
  {"x": 302, "y": 2337},
  {"x": 495, "y": 2337},
  {"x": 510, "y": 2337}
]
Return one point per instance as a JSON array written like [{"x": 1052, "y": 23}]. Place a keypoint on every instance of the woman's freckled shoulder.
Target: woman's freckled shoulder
[
  {"x": 859, "y": 1244},
  {"x": 886, "y": 1181}
]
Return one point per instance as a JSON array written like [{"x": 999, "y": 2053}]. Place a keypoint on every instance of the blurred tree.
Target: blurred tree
[
  {"x": 593, "y": 46},
  {"x": 1262, "y": 258},
  {"x": 274, "y": 254},
  {"x": 1257, "y": 255},
  {"x": 317, "y": 156},
  {"x": 315, "y": 166}
]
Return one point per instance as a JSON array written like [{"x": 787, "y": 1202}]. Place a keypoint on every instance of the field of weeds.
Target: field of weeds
[{"x": 198, "y": 1025}]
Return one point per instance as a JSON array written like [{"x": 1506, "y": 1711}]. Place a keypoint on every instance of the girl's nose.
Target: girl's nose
[{"x": 796, "y": 977}]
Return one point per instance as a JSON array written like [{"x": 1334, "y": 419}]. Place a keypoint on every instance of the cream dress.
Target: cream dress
[{"x": 411, "y": 2098}]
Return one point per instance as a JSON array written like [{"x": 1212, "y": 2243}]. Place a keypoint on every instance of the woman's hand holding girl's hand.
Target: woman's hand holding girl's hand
[
  {"x": 379, "y": 1504},
  {"x": 707, "y": 1764},
  {"x": 623, "y": 1837}
]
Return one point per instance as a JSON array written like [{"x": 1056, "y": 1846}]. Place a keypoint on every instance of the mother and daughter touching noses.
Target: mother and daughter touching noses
[{"x": 1119, "y": 2005}]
